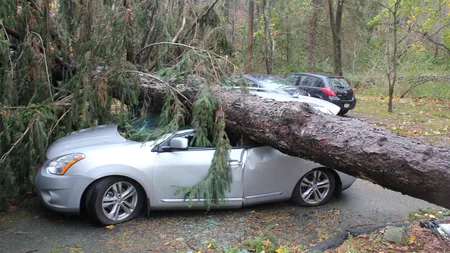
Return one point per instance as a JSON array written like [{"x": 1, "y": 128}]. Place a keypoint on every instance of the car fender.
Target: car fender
[{"x": 135, "y": 174}]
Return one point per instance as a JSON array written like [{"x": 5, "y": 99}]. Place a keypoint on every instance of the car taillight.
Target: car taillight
[{"x": 329, "y": 92}]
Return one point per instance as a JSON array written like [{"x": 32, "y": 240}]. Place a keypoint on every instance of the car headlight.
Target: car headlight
[{"x": 60, "y": 165}]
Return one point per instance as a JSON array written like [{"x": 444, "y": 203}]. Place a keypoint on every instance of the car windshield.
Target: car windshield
[
  {"x": 150, "y": 122},
  {"x": 274, "y": 84},
  {"x": 338, "y": 83}
]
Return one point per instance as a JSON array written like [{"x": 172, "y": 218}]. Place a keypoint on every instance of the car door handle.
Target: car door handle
[{"x": 234, "y": 162}]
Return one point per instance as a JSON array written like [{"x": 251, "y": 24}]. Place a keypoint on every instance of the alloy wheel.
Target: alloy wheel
[
  {"x": 314, "y": 187},
  {"x": 119, "y": 201}
]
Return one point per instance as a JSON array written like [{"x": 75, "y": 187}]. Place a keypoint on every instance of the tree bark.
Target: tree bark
[
  {"x": 350, "y": 145},
  {"x": 267, "y": 15},
  {"x": 312, "y": 35},
  {"x": 251, "y": 10},
  {"x": 336, "y": 33}
]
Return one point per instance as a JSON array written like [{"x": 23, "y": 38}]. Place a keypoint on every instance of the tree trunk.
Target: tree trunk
[
  {"x": 336, "y": 34},
  {"x": 233, "y": 20},
  {"x": 392, "y": 59},
  {"x": 312, "y": 35},
  {"x": 350, "y": 145},
  {"x": 267, "y": 15},
  {"x": 251, "y": 10}
]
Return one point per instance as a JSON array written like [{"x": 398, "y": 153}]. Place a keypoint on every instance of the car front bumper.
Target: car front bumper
[{"x": 61, "y": 193}]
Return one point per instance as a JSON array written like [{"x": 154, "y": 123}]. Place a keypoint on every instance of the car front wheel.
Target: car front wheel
[
  {"x": 314, "y": 188},
  {"x": 115, "y": 200}
]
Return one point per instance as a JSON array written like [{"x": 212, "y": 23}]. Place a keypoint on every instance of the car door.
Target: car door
[
  {"x": 173, "y": 168},
  {"x": 293, "y": 79},
  {"x": 312, "y": 85}
]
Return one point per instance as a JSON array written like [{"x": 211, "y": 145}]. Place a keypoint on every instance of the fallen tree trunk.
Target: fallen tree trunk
[{"x": 350, "y": 145}]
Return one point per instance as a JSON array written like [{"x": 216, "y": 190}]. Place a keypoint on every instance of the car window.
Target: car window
[
  {"x": 239, "y": 141},
  {"x": 311, "y": 81},
  {"x": 236, "y": 141},
  {"x": 274, "y": 84},
  {"x": 252, "y": 83},
  {"x": 198, "y": 143},
  {"x": 291, "y": 79},
  {"x": 338, "y": 83}
]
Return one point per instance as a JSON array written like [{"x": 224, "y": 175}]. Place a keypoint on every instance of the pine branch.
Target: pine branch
[
  {"x": 46, "y": 66},
  {"x": 30, "y": 124},
  {"x": 9, "y": 55}
]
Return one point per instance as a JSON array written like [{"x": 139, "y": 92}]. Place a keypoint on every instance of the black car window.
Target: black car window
[
  {"x": 338, "y": 83},
  {"x": 291, "y": 79},
  {"x": 320, "y": 84},
  {"x": 310, "y": 81}
]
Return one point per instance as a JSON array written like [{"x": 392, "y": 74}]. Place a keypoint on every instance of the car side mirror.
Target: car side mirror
[{"x": 179, "y": 143}]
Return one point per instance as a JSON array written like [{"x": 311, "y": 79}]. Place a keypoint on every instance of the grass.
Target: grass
[
  {"x": 428, "y": 89},
  {"x": 424, "y": 115}
]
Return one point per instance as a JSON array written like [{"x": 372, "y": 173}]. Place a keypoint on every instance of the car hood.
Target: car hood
[
  {"x": 100, "y": 135},
  {"x": 318, "y": 104}
]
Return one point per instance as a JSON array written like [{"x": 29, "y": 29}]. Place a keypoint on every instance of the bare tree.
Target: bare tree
[
  {"x": 336, "y": 22},
  {"x": 267, "y": 14},
  {"x": 392, "y": 53},
  {"x": 312, "y": 34},
  {"x": 251, "y": 10}
]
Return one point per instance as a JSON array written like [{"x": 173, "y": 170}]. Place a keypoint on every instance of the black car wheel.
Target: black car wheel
[
  {"x": 342, "y": 112},
  {"x": 115, "y": 200},
  {"x": 314, "y": 188}
]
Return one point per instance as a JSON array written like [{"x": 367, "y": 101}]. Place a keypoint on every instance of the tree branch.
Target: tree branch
[{"x": 201, "y": 18}]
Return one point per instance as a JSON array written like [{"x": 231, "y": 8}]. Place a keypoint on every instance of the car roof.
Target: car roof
[
  {"x": 315, "y": 75},
  {"x": 257, "y": 77}
]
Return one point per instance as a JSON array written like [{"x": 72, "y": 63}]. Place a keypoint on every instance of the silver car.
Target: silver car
[{"x": 114, "y": 178}]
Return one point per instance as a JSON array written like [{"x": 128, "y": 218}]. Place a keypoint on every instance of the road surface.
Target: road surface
[{"x": 33, "y": 228}]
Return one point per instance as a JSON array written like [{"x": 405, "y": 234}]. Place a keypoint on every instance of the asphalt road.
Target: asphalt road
[{"x": 33, "y": 228}]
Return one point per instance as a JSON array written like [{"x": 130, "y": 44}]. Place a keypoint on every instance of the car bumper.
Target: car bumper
[
  {"x": 346, "y": 180},
  {"x": 61, "y": 193},
  {"x": 345, "y": 104}
]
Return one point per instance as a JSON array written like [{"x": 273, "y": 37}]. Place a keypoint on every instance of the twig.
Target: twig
[
  {"x": 190, "y": 246},
  {"x": 4, "y": 156},
  {"x": 188, "y": 46},
  {"x": 56, "y": 124},
  {"x": 46, "y": 66},
  {"x": 182, "y": 24},
  {"x": 9, "y": 55},
  {"x": 159, "y": 80},
  {"x": 196, "y": 28},
  {"x": 201, "y": 18},
  {"x": 212, "y": 64}
]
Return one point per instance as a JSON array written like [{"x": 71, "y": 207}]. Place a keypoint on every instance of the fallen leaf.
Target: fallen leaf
[
  {"x": 110, "y": 227},
  {"x": 412, "y": 239},
  {"x": 267, "y": 243}
]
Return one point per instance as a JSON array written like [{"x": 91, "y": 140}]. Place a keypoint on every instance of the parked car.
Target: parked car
[
  {"x": 113, "y": 178},
  {"x": 314, "y": 103},
  {"x": 273, "y": 84},
  {"x": 334, "y": 89},
  {"x": 273, "y": 87}
]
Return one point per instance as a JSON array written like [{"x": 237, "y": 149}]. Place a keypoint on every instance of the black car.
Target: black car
[
  {"x": 334, "y": 89},
  {"x": 272, "y": 84}
]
